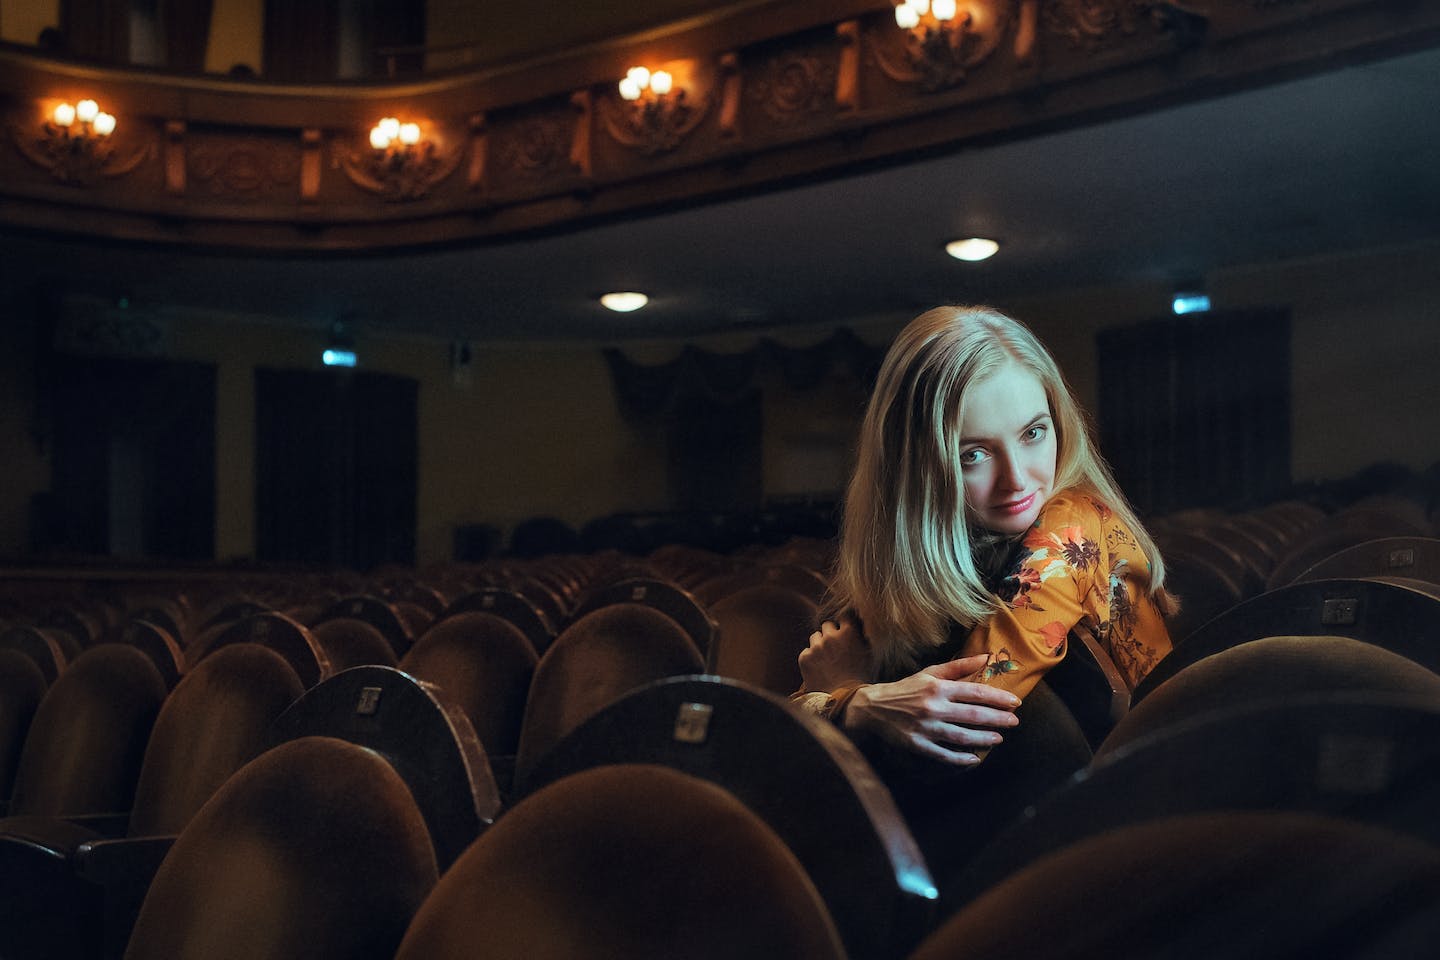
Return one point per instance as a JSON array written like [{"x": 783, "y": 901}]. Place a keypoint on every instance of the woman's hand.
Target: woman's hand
[
  {"x": 838, "y": 656},
  {"x": 939, "y": 712}
]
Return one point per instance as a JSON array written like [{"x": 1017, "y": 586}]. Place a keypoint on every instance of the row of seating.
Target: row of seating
[{"x": 1368, "y": 603}]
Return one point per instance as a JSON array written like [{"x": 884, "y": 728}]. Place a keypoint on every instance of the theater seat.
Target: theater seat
[
  {"x": 625, "y": 861},
  {"x": 314, "y": 849},
  {"x": 593, "y": 662},
  {"x": 485, "y": 664},
  {"x": 760, "y": 632},
  {"x": 22, "y": 686},
  {"x": 796, "y": 772},
  {"x": 1399, "y": 617},
  {"x": 352, "y": 643},
  {"x": 423, "y": 735},
  {"x": 216, "y": 720},
  {"x": 1227, "y": 884},
  {"x": 1267, "y": 668},
  {"x": 513, "y": 606},
  {"x": 281, "y": 633},
  {"x": 82, "y": 756},
  {"x": 41, "y": 646},
  {"x": 1368, "y": 757},
  {"x": 83, "y": 752},
  {"x": 668, "y": 598}
]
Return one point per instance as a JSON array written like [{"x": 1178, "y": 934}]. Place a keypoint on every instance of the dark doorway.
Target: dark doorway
[
  {"x": 134, "y": 460},
  {"x": 335, "y": 467}
]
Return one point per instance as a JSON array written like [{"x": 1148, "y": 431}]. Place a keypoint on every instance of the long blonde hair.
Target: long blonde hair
[{"x": 906, "y": 562}]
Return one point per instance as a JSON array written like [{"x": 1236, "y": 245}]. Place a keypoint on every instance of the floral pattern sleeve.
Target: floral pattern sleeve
[{"x": 1078, "y": 563}]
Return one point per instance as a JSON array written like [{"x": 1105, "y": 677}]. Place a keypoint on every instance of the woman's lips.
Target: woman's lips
[{"x": 1015, "y": 507}]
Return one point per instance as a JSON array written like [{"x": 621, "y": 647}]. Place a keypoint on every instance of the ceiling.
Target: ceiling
[{"x": 1309, "y": 167}]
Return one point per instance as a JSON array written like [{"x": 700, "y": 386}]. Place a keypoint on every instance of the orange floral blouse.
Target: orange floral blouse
[{"x": 1078, "y": 564}]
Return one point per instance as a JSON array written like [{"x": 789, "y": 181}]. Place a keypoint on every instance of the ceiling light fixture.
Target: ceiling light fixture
[
  {"x": 972, "y": 249},
  {"x": 624, "y": 301}
]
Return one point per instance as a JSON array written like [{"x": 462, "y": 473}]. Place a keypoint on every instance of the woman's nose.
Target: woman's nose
[{"x": 1008, "y": 472}]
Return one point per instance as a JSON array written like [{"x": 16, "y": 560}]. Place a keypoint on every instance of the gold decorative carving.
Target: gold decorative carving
[
  {"x": 791, "y": 87},
  {"x": 400, "y": 173},
  {"x": 175, "y": 157},
  {"x": 241, "y": 172},
  {"x": 940, "y": 55},
  {"x": 652, "y": 124},
  {"x": 311, "y": 140},
  {"x": 76, "y": 160},
  {"x": 534, "y": 147},
  {"x": 847, "y": 83},
  {"x": 730, "y": 84},
  {"x": 479, "y": 146},
  {"x": 1089, "y": 23},
  {"x": 580, "y": 152}
]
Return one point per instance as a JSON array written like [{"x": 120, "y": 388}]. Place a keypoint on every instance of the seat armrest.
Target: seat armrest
[
  {"x": 122, "y": 862},
  {"x": 124, "y": 868}
]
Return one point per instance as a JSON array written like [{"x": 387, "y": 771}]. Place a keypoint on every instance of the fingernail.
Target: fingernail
[
  {"x": 1014, "y": 700},
  {"x": 995, "y": 738}
]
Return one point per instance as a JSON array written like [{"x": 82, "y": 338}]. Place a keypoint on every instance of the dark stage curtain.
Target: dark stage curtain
[{"x": 1195, "y": 410}]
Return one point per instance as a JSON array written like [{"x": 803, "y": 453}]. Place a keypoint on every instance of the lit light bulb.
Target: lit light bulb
[
  {"x": 624, "y": 302},
  {"x": 629, "y": 89},
  {"x": 641, "y": 76},
  {"x": 86, "y": 110},
  {"x": 906, "y": 18},
  {"x": 104, "y": 124},
  {"x": 661, "y": 82},
  {"x": 921, "y": 7},
  {"x": 64, "y": 115},
  {"x": 378, "y": 139},
  {"x": 410, "y": 134},
  {"x": 390, "y": 126},
  {"x": 943, "y": 9},
  {"x": 972, "y": 249}
]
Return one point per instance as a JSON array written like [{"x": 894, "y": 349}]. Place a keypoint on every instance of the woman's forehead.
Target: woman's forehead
[{"x": 1009, "y": 397}]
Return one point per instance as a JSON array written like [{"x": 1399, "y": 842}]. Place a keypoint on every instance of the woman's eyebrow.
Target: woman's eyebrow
[{"x": 1042, "y": 415}]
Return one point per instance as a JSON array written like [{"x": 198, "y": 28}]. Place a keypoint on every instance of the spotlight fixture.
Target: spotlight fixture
[
  {"x": 624, "y": 301},
  {"x": 972, "y": 249}
]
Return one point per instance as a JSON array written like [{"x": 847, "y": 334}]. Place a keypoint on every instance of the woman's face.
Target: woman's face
[{"x": 1007, "y": 450}]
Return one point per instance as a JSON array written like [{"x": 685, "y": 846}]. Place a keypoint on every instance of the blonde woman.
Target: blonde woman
[{"x": 980, "y": 526}]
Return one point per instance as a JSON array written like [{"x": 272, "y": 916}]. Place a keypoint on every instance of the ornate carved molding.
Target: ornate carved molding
[{"x": 777, "y": 93}]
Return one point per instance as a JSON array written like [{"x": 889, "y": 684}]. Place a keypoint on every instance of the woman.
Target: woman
[{"x": 980, "y": 526}]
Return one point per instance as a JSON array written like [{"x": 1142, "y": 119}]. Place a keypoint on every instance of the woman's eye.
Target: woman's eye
[
  {"x": 1035, "y": 432},
  {"x": 971, "y": 457}
]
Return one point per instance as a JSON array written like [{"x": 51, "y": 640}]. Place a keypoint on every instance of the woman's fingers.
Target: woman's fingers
[
  {"x": 959, "y": 735},
  {"x": 972, "y": 715},
  {"x": 929, "y": 748}
]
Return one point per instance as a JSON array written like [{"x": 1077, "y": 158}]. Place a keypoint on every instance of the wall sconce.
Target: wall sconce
[
  {"x": 655, "y": 115},
  {"x": 74, "y": 144},
  {"x": 944, "y": 40},
  {"x": 401, "y": 164}
]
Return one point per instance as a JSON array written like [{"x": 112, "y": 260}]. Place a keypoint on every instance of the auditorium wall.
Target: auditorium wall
[{"x": 531, "y": 429}]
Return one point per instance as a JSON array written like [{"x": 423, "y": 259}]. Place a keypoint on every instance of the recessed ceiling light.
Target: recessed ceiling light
[
  {"x": 972, "y": 249},
  {"x": 624, "y": 301}
]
